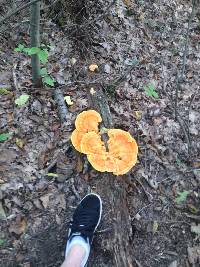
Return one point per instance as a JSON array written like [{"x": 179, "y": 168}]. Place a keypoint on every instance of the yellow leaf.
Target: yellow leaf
[
  {"x": 93, "y": 67},
  {"x": 155, "y": 227},
  {"x": 196, "y": 164},
  {"x": 51, "y": 174},
  {"x": 138, "y": 115},
  {"x": 19, "y": 142},
  {"x": 127, "y": 3},
  {"x": 68, "y": 100}
]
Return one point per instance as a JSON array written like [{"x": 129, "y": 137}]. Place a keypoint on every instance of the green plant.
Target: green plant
[
  {"x": 2, "y": 242},
  {"x": 22, "y": 100},
  {"x": 5, "y": 136},
  {"x": 4, "y": 91},
  {"x": 43, "y": 56},
  {"x": 182, "y": 196},
  {"x": 150, "y": 91}
]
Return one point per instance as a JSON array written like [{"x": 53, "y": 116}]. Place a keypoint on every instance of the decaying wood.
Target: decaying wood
[{"x": 113, "y": 193}]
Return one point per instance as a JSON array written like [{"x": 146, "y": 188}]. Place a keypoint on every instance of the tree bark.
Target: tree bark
[
  {"x": 113, "y": 193},
  {"x": 35, "y": 42}
]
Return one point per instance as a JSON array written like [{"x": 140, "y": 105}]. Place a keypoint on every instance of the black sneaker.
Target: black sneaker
[{"x": 86, "y": 219}]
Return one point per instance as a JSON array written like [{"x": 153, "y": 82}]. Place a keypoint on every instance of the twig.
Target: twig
[
  {"x": 17, "y": 10},
  {"x": 106, "y": 230},
  {"x": 137, "y": 262},
  {"x": 193, "y": 169},
  {"x": 185, "y": 127},
  {"x": 62, "y": 108},
  {"x": 52, "y": 163},
  {"x": 148, "y": 195},
  {"x": 187, "y": 38},
  {"x": 142, "y": 209},
  {"x": 180, "y": 75},
  {"x": 186, "y": 131},
  {"x": 189, "y": 108},
  {"x": 17, "y": 87},
  {"x": 75, "y": 192},
  {"x": 166, "y": 222}
]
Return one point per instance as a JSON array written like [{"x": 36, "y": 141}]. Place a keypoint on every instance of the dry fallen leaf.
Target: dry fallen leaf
[
  {"x": 138, "y": 115},
  {"x": 194, "y": 255},
  {"x": 73, "y": 61},
  {"x": 19, "y": 142},
  {"x": 18, "y": 227},
  {"x": 195, "y": 229},
  {"x": 127, "y": 2},
  {"x": 93, "y": 67},
  {"x": 155, "y": 227},
  {"x": 79, "y": 164},
  {"x": 2, "y": 212},
  {"x": 92, "y": 91},
  {"x": 45, "y": 201}
]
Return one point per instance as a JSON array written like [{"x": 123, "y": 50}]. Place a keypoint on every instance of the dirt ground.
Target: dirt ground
[{"x": 134, "y": 43}]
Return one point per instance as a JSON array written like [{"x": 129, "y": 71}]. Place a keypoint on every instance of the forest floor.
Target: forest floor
[{"x": 136, "y": 44}]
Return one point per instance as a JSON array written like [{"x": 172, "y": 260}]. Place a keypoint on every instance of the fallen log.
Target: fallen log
[{"x": 112, "y": 190}]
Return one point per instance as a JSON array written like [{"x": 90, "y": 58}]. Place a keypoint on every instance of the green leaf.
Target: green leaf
[
  {"x": 22, "y": 100},
  {"x": 43, "y": 72},
  {"x": 43, "y": 55},
  {"x": 5, "y": 136},
  {"x": 50, "y": 46},
  {"x": 33, "y": 51},
  {"x": 48, "y": 80},
  {"x": 4, "y": 91},
  {"x": 51, "y": 174},
  {"x": 20, "y": 48},
  {"x": 150, "y": 91},
  {"x": 2, "y": 242},
  {"x": 155, "y": 94},
  {"x": 26, "y": 50},
  {"x": 181, "y": 196},
  {"x": 132, "y": 62}
]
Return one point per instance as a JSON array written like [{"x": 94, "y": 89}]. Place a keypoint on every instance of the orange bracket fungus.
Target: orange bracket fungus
[
  {"x": 122, "y": 147},
  {"x": 86, "y": 121}
]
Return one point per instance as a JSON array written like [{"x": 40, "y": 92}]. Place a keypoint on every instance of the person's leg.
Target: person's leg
[
  {"x": 75, "y": 257},
  {"x": 86, "y": 219}
]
